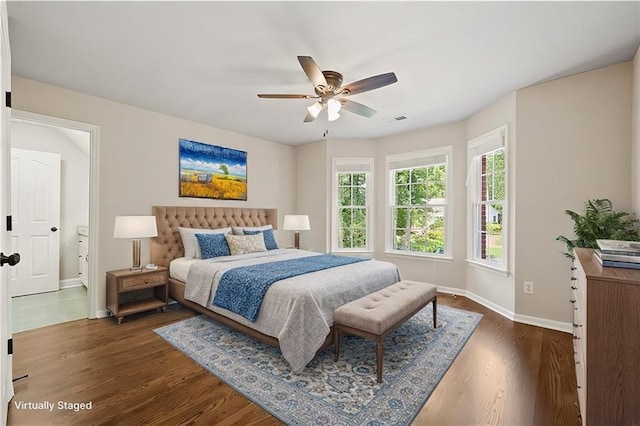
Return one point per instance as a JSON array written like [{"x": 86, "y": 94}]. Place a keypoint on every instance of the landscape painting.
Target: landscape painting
[{"x": 210, "y": 171}]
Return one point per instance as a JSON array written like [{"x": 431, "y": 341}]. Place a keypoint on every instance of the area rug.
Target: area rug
[{"x": 416, "y": 358}]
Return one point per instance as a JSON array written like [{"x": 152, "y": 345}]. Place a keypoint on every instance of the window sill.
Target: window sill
[
  {"x": 418, "y": 255},
  {"x": 495, "y": 269},
  {"x": 366, "y": 253}
]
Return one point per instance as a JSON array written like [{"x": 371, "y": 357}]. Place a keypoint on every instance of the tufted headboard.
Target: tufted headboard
[{"x": 168, "y": 245}]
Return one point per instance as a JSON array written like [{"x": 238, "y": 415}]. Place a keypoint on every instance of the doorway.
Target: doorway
[{"x": 76, "y": 143}]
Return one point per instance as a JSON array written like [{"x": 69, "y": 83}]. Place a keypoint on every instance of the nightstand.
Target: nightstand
[{"x": 130, "y": 292}]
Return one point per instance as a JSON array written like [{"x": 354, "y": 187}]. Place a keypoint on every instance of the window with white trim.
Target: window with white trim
[
  {"x": 352, "y": 216},
  {"x": 419, "y": 202},
  {"x": 487, "y": 195}
]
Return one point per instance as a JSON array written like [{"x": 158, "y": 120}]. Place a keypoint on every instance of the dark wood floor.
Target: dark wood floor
[{"x": 507, "y": 374}]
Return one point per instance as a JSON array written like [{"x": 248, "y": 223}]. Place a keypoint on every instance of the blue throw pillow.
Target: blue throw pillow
[
  {"x": 269, "y": 239},
  {"x": 213, "y": 245}
]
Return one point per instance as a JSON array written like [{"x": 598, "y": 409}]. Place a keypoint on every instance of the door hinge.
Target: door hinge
[
  {"x": 10, "y": 346},
  {"x": 9, "y": 223},
  {"x": 7, "y": 99}
]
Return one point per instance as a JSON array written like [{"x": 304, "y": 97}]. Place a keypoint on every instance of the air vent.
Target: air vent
[{"x": 394, "y": 119}]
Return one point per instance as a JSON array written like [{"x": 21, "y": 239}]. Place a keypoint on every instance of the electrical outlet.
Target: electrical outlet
[{"x": 528, "y": 287}]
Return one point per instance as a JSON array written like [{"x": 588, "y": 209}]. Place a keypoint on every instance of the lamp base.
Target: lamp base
[
  {"x": 296, "y": 239},
  {"x": 135, "y": 269}
]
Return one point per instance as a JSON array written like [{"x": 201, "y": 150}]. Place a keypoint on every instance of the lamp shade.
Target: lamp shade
[
  {"x": 135, "y": 227},
  {"x": 296, "y": 222}
]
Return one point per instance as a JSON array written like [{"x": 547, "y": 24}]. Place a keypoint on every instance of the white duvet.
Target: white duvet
[{"x": 298, "y": 311}]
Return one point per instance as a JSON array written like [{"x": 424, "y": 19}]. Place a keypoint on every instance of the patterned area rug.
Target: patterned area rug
[{"x": 333, "y": 393}]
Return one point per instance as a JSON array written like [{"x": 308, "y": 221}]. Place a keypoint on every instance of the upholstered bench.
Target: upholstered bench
[{"x": 377, "y": 314}]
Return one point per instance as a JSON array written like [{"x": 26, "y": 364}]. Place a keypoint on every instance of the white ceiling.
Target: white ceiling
[{"x": 206, "y": 61}]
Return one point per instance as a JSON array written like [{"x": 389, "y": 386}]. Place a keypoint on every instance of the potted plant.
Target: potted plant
[{"x": 599, "y": 222}]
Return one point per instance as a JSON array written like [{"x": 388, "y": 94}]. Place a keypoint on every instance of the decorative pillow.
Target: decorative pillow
[
  {"x": 269, "y": 239},
  {"x": 190, "y": 242},
  {"x": 239, "y": 230},
  {"x": 241, "y": 244},
  {"x": 213, "y": 245}
]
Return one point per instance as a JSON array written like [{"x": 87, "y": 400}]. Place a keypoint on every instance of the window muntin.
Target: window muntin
[
  {"x": 489, "y": 209},
  {"x": 352, "y": 217},
  {"x": 487, "y": 195},
  {"x": 352, "y": 210},
  {"x": 419, "y": 204}
]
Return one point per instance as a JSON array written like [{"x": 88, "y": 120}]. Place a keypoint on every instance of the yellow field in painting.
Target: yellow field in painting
[{"x": 221, "y": 187}]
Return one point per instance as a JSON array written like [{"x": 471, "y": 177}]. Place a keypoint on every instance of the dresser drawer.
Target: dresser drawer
[{"x": 145, "y": 280}]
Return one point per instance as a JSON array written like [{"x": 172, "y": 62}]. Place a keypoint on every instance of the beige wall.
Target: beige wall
[
  {"x": 448, "y": 273},
  {"x": 574, "y": 144},
  {"x": 312, "y": 194},
  {"x": 495, "y": 288},
  {"x": 635, "y": 141},
  {"x": 139, "y": 164}
]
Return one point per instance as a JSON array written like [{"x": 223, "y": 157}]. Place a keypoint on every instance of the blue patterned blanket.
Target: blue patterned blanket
[{"x": 241, "y": 290}]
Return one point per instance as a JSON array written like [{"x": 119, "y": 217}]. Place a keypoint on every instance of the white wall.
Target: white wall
[
  {"x": 74, "y": 185},
  {"x": 574, "y": 144},
  {"x": 139, "y": 164}
]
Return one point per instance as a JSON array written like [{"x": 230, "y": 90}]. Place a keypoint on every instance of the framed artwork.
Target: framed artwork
[{"x": 210, "y": 171}]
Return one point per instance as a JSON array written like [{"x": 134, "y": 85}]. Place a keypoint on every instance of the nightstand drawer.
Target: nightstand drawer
[{"x": 145, "y": 280}]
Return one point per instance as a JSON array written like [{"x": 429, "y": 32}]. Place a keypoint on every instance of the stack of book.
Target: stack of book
[{"x": 618, "y": 254}]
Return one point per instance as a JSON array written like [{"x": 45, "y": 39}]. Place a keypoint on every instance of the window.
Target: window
[
  {"x": 353, "y": 196},
  {"x": 487, "y": 199},
  {"x": 419, "y": 202}
]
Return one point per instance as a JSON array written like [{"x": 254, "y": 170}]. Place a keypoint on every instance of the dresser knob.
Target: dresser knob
[
  {"x": 573, "y": 278},
  {"x": 577, "y": 325},
  {"x": 572, "y": 301},
  {"x": 573, "y": 268},
  {"x": 574, "y": 287},
  {"x": 576, "y": 337}
]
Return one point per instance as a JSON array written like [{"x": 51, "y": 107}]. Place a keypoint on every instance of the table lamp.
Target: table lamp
[
  {"x": 296, "y": 223},
  {"x": 135, "y": 227}
]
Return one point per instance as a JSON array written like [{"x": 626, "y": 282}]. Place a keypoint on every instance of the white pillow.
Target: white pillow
[
  {"x": 239, "y": 230},
  {"x": 190, "y": 242},
  {"x": 241, "y": 244}
]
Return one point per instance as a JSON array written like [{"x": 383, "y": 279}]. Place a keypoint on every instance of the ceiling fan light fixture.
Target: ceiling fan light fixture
[
  {"x": 315, "y": 109},
  {"x": 334, "y": 105}
]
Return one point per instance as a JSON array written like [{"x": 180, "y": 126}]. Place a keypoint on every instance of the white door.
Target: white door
[
  {"x": 35, "y": 209},
  {"x": 6, "y": 383}
]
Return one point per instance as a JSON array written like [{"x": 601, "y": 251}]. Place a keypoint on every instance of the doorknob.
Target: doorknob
[
  {"x": 12, "y": 259},
  {"x": 54, "y": 229}
]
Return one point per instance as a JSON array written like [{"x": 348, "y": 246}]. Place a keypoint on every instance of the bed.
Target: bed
[{"x": 296, "y": 314}]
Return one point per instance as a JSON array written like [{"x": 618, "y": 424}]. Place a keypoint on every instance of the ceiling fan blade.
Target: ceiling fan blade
[
  {"x": 370, "y": 83},
  {"x": 313, "y": 71},
  {"x": 282, "y": 96},
  {"x": 357, "y": 108}
]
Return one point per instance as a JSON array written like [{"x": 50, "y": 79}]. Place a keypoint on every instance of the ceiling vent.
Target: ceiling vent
[{"x": 394, "y": 119}]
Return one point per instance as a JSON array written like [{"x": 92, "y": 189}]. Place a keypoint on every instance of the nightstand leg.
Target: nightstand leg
[
  {"x": 120, "y": 320},
  {"x": 162, "y": 310}
]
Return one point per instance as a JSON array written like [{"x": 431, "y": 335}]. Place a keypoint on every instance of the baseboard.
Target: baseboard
[
  {"x": 70, "y": 283},
  {"x": 524, "y": 319},
  {"x": 102, "y": 314}
]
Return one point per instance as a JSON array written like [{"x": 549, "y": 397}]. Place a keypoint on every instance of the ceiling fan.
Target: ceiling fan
[{"x": 331, "y": 94}]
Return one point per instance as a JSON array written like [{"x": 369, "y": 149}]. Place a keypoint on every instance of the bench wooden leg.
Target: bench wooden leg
[
  {"x": 435, "y": 311},
  {"x": 379, "y": 357},
  {"x": 336, "y": 342}
]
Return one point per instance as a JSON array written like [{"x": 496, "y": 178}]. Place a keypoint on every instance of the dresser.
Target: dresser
[
  {"x": 83, "y": 254},
  {"x": 606, "y": 336}
]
